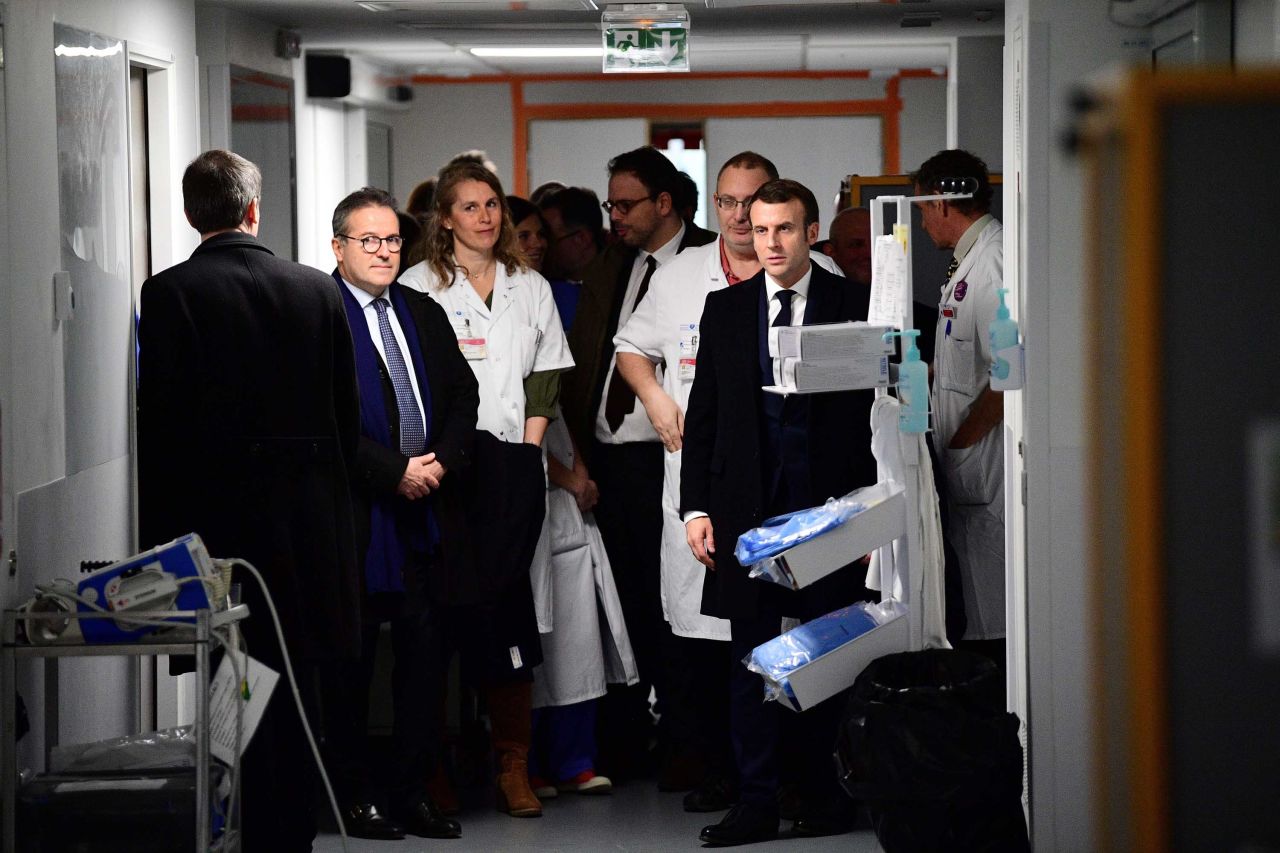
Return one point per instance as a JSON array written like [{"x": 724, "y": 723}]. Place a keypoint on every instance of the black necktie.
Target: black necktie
[
  {"x": 622, "y": 400},
  {"x": 784, "y": 298}
]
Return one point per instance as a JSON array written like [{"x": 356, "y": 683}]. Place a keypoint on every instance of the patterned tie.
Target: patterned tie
[
  {"x": 413, "y": 438},
  {"x": 951, "y": 270},
  {"x": 622, "y": 400}
]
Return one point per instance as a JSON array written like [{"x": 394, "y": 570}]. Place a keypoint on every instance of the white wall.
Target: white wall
[
  {"x": 1056, "y": 46},
  {"x": 555, "y": 150},
  {"x": 447, "y": 118},
  {"x": 1256, "y": 31},
  {"x": 817, "y": 152},
  {"x": 331, "y": 162},
  {"x": 444, "y": 119},
  {"x": 979, "y": 78},
  {"x": 87, "y": 516}
]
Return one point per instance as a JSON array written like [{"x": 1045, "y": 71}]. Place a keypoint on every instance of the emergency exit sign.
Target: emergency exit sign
[{"x": 651, "y": 38}]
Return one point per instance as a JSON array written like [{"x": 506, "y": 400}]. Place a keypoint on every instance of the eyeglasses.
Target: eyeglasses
[
  {"x": 728, "y": 202},
  {"x": 372, "y": 244},
  {"x": 624, "y": 205},
  {"x": 566, "y": 235}
]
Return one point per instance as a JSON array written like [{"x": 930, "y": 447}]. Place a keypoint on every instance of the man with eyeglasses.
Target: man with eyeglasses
[
  {"x": 418, "y": 403},
  {"x": 621, "y": 449},
  {"x": 248, "y": 420},
  {"x": 663, "y": 331},
  {"x": 575, "y": 225}
]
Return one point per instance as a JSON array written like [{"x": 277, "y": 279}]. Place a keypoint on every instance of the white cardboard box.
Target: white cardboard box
[
  {"x": 856, "y": 339},
  {"x": 827, "y": 675},
  {"x": 844, "y": 374},
  {"x": 868, "y": 530}
]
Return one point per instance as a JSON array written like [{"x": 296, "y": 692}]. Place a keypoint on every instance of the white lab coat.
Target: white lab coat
[
  {"x": 903, "y": 458},
  {"x": 522, "y": 334},
  {"x": 584, "y": 636},
  {"x": 664, "y": 329},
  {"x": 974, "y": 475}
]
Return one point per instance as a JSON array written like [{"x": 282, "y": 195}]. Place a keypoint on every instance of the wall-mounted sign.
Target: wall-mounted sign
[{"x": 650, "y": 37}]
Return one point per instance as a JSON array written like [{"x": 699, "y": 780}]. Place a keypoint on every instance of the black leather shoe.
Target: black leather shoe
[
  {"x": 426, "y": 821},
  {"x": 363, "y": 820},
  {"x": 744, "y": 824},
  {"x": 816, "y": 826},
  {"x": 715, "y": 794}
]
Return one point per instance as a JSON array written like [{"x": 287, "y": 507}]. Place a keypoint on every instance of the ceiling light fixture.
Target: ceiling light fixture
[{"x": 537, "y": 52}]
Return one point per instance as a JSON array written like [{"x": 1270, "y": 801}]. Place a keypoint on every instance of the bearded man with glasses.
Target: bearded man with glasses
[{"x": 622, "y": 451}]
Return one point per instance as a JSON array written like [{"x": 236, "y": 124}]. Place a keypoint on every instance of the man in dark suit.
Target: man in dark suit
[
  {"x": 622, "y": 451},
  {"x": 749, "y": 455},
  {"x": 418, "y": 402},
  {"x": 248, "y": 420}
]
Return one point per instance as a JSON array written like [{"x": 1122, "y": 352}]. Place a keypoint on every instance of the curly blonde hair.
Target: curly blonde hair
[{"x": 436, "y": 245}]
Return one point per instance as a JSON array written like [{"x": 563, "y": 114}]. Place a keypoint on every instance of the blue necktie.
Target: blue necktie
[{"x": 413, "y": 437}]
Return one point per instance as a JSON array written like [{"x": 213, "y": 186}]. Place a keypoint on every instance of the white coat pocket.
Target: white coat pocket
[
  {"x": 526, "y": 348},
  {"x": 975, "y": 474},
  {"x": 956, "y": 366},
  {"x": 565, "y": 524}
]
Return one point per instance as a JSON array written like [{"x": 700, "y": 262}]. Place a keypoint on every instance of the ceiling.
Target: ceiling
[{"x": 433, "y": 37}]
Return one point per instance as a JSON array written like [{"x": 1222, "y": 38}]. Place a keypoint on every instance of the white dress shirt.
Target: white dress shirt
[
  {"x": 366, "y": 301},
  {"x": 635, "y": 426}
]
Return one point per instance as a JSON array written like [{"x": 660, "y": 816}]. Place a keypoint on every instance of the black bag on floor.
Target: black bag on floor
[{"x": 926, "y": 743}]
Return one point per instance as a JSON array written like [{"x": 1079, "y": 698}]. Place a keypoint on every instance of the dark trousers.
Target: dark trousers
[
  {"x": 629, "y": 515},
  {"x": 757, "y": 726},
  {"x": 697, "y": 706},
  {"x": 279, "y": 779},
  {"x": 415, "y": 643}
]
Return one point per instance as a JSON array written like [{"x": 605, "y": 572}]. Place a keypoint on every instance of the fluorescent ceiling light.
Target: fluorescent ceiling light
[{"x": 538, "y": 52}]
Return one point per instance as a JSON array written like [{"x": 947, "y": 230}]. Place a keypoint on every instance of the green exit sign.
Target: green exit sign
[{"x": 646, "y": 39}]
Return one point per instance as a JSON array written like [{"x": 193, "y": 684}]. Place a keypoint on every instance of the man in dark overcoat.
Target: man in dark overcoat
[
  {"x": 248, "y": 420},
  {"x": 750, "y": 455},
  {"x": 418, "y": 402}
]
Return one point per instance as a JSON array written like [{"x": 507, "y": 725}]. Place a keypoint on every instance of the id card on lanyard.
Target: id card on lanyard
[
  {"x": 688, "y": 351},
  {"x": 472, "y": 344}
]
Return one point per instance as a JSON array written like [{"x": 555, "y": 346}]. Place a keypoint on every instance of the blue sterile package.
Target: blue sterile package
[
  {"x": 778, "y": 658},
  {"x": 781, "y": 532}
]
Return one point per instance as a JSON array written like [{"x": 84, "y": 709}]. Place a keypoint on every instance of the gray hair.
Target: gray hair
[{"x": 358, "y": 200}]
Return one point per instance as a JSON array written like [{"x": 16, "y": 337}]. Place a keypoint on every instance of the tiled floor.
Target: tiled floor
[{"x": 635, "y": 817}]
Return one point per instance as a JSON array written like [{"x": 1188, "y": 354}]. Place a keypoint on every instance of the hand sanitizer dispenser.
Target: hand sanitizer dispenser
[
  {"x": 1006, "y": 350},
  {"x": 913, "y": 387}
]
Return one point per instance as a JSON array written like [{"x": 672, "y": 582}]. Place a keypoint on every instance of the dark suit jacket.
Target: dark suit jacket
[
  {"x": 591, "y": 338},
  {"x": 721, "y": 469},
  {"x": 248, "y": 419},
  {"x": 455, "y": 398}
]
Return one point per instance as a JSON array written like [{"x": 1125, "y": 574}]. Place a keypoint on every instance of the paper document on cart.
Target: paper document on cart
[
  {"x": 888, "y": 282},
  {"x": 257, "y": 681}
]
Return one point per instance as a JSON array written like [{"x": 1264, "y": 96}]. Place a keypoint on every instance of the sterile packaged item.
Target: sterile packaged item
[
  {"x": 169, "y": 748},
  {"x": 781, "y": 532},
  {"x": 825, "y": 341},
  {"x": 775, "y": 660},
  {"x": 843, "y": 374}
]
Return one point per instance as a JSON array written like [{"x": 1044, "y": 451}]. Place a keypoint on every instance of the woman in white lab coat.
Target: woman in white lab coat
[
  {"x": 507, "y": 327},
  {"x": 584, "y": 637}
]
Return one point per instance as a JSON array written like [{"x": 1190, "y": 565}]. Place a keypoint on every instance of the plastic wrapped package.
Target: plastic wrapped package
[
  {"x": 775, "y": 660},
  {"x": 146, "y": 751},
  {"x": 781, "y": 532}
]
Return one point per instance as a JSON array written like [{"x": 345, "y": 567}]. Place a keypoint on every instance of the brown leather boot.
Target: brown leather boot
[
  {"x": 515, "y": 797},
  {"x": 511, "y": 715}
]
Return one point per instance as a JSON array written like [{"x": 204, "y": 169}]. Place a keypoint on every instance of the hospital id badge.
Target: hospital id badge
[
  {"x": 689, "y": 339},
  {"x": 472, "y": 346}
]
